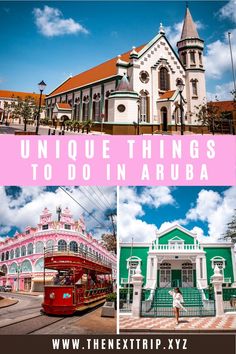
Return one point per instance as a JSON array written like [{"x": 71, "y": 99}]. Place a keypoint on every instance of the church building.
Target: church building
[{"x": 150, "y": 88}]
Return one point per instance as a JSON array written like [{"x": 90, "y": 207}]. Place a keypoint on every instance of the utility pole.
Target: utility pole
[{"x": 232, "y": 61}]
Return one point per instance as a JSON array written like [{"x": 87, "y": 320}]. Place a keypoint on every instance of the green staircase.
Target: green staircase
[{"x": 162, "y": 299}]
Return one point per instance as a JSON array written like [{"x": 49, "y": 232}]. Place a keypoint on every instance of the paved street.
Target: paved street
[
  {"x": 25, "y": 318},
  {"x": 221, "y": 323},
  {"x": 88, "y": 323},
  {"x": 27, "y": 306},
  {"x": 30, "y": 128}
]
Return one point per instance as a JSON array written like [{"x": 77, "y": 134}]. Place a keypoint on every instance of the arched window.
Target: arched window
[
  {"x": 219, "y": 262},
  {"x": 23, "y": 251},
  {"x": 165, "y": 274},
  {"x": 144, "y": 106},
  {"x": 30, "y": 248},
  {"x": 26, "y": 266},
  {"x": 39, "y": 265},
  {"x": 62, "y": 245},
  {"x": 39, "y": 247},
  {"x": 4, "y": 269},
  {"x": 49, "y": 244},
  {"x": 7, "y": 255},
  {"x": 86, "y": 249},
  {"x": 97, "y": 107},
  {"x": 17, "y": 252},
  {"x": 106, "y": 105},
  {"x": 73, "y": 246},
  {"x": 184, "y": 58},
  {"x": 3, "y": 256},
  {"x": 194, "y": 87},
  {"x": 13, "y": 268},
  {"x": 12, "y": 254},
  {"x": 164, "y": 79},
  {"x": 200, "y": 58},
  {"x": 86, "y": 108},
  {"x": 192, "y": 57},
  {"x": 77, "y": 108}
]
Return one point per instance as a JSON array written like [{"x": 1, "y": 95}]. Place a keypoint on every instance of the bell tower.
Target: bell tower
[{"x": 190, "y": 49}]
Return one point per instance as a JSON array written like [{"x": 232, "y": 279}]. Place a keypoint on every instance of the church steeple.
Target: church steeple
[
  {"x": 190, "y": 49},
  {"x": 189, "y": 29}
]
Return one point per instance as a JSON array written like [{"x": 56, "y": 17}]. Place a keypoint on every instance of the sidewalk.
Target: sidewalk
[
  {"x": 194, "y": 324},
  {"x": 27, "y": 293},
  {"x": 5, "y": 302}
]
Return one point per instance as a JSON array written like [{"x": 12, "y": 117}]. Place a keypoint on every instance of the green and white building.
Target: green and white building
[{"x": 177, "y": 259}]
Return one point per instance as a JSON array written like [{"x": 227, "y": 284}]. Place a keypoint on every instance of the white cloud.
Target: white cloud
[
  {"x": 50, "y": 23},
  {"x": 25, "y": 208},
  {"x": 228, "y": 11},
  {"x": 222, "y": 92},
  {"x": 214, "y": 209},
  {"x": 217, "y": 57},
  {"x": 132, "y": 205}
]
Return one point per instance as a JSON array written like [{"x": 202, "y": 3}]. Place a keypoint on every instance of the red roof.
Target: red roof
[
  {"x": 99, "y": 72},
  {"x": 23, "y": 95},
  {"x": 64, "y": 105},
  {"x": 224, "y": 106},
  {"x": 167, "y": 95}
]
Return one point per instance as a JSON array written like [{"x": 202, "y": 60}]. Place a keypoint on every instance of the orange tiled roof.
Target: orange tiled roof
[
  {"x": 64, "y": 105},
  {"x": 97, "y": 73},
  {"x": 224, "y": 106},
  {"x": 167, "y": 95},
  {"x": 23, "y": 95}
]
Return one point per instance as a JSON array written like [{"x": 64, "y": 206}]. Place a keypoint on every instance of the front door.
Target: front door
[
  {"x": 27, "y": 284},
  {"x": 164, "y": 119},
  {"x": 176, "y": 278}
]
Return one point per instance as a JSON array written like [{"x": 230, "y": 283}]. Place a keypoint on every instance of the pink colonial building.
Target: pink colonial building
[{"x": 22, "y": 256}]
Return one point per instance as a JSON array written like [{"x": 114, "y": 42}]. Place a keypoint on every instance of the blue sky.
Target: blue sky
[
  {"x": 21, "y": 207},
  {"x": 205, "y": 211},
  {"x": 68, "y": 37}
]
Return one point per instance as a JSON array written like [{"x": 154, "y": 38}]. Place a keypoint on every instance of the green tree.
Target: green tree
[
  {"x": 209, "y": 116},
  {"x": 25, "y": 109},
  {"x": 109, "y": 242},
  {"x": 231, "y": 229}
]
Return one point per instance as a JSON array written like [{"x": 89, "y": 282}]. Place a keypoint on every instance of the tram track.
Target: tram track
[{"x": 29, "y": 325}]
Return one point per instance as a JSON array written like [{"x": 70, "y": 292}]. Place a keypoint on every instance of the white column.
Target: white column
[
  {"x": 217, "y": 281},
  {"x": 137, "y": 282},
  {"x": 234, "y": 266},
  {"x": 198, "y": 271},
  {"x": 148, "y": 267}
]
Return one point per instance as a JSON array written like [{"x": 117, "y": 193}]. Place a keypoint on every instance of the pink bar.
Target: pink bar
[{"x": 221, "y": 169}]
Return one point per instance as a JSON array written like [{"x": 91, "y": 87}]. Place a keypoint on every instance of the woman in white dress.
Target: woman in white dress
[{"x": 177, "y": 302}]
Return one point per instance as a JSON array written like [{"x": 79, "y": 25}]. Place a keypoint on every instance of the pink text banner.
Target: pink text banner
[{"x": 118, "y": 160}]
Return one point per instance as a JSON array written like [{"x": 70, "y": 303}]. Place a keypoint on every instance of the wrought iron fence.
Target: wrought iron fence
[
  {"x": 161, "y": 306},
  {"x": 229, "y": 297},
  {"x": 126, "y": 299}
]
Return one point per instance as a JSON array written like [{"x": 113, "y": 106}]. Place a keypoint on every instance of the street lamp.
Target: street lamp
[
  {"x": 41, "y": 86},
  {"x": 180, "y": 86},
  {"x": 19, "y": 270}
]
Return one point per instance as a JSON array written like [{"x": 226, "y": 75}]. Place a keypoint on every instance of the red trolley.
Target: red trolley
[{"x": 81, "y": 281}]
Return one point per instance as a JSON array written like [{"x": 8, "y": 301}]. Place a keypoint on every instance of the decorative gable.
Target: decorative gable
[{"x": 176, "y": 233}]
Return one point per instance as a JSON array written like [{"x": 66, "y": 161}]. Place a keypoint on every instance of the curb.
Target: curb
[{"x": 10, "y": 303}]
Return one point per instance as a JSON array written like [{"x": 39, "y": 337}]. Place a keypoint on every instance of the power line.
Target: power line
[
  {"x": 98, "y": 198},
  {"x": 87, "y": 195},
  {"x": 104, "y": 196},
  {"x": 89, "y": 213}
]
